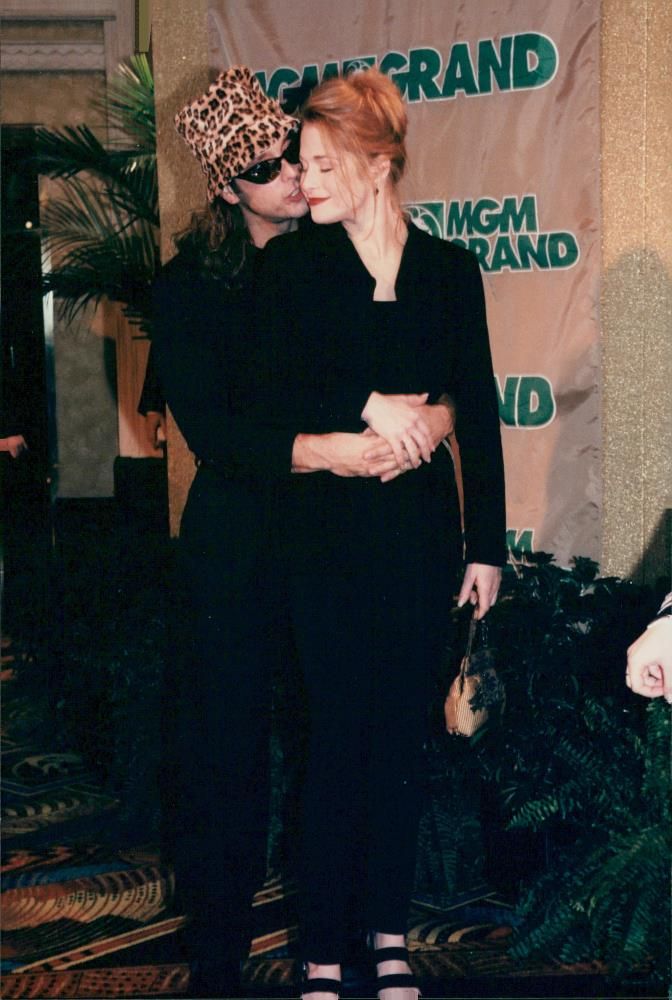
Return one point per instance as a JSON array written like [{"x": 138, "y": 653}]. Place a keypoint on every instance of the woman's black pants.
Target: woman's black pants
[{"x": 369, "y": 604}]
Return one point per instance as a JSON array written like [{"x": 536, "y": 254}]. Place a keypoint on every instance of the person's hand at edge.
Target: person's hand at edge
[
  {"x": 649, "y": 670},
  {"x": 15, "y": 444}
]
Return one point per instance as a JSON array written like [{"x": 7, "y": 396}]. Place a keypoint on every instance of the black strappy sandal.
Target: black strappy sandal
[
  {"x": 404, "y": 984},
  {"x": 309, "y": 986}
]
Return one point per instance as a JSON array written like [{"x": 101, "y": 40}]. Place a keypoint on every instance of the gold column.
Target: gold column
[
  {"x": 636, "y": 143},
  {"x": 180, "y": 56}
]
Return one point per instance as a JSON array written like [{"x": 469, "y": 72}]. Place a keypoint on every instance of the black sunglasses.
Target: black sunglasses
[{"x": 267, "y": 170}]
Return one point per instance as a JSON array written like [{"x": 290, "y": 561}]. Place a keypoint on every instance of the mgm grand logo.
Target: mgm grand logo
[
  {"x": 430, "y": 216},
  {"x": 503, "y": 234}
]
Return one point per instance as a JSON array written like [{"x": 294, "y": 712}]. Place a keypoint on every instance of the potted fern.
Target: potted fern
[
  {"x": 579, "y": 761},
  {"x": 606, "y": 893}
]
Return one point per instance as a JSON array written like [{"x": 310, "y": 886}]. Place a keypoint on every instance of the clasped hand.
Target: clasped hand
[
  {"x": 400, "y": 422},
  {"x": 403, "y": 431},
  {"x": 410, "y": 430},
  {"x": 364, "y": 454}
]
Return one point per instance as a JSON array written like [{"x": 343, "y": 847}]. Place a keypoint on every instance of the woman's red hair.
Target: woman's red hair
[{"x": 363, "y": 114}]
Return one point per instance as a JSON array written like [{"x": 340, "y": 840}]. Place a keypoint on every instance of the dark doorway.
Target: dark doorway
[{"x": 24, "y": 397}]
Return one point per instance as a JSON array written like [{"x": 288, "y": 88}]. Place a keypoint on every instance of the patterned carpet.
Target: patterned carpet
[
  {"x": 82, "y": 919},
  {"x": 68, "y": 907}
]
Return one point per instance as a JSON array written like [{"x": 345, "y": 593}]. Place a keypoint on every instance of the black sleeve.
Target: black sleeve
[
  {"x": 151, "y": 397},
  {"x": 223, "y": 420},
  {"x": 477, "y": 424}
]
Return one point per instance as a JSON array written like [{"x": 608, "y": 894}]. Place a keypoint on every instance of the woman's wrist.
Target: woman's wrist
[{"x": 371, "y": 401}]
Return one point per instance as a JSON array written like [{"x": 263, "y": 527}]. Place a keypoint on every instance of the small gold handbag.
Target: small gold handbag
[{"x": 461, "y": 718}]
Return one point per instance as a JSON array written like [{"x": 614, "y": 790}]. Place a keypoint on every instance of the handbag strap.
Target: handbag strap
[{"x": 473, "y": 625}]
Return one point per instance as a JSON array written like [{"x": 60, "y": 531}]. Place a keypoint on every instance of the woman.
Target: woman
[{"x": 364, "y": 301}]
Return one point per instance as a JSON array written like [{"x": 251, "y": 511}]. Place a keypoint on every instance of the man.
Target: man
[{"x": 212, "y": 369}]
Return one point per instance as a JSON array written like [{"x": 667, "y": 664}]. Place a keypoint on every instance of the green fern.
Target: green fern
[
  {"x": 580, "y": 761},
  {"x": 615, "y": 906}
]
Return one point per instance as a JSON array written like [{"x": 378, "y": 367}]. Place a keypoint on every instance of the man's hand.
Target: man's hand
[
  {"x": 155, "y": 429},
  {"x": 343, "y": 454},
  {"x": 442, "y": 417}
]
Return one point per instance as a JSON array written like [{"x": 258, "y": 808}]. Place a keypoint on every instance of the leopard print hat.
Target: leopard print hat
[{"x": 231, "y": 125}]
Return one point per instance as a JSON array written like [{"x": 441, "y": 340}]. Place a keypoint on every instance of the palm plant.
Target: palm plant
[{"x": 100, "y": 226}]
